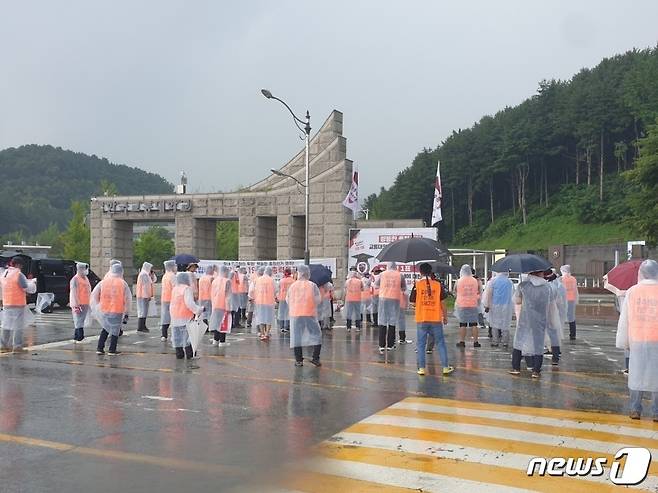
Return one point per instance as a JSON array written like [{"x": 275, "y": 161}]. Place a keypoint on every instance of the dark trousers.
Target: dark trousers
[
  {"x": 403, "y": 335},
  {"x": 357, "y": 324},
  {"x": 219, "y": 336},
  {"x": 533, "y": 362},
  {"x": 572, "y": 330},
  {"x": 164, "y": 329},
  {"x": 387, "y": 336},
  {"x": 103, "y": 339},
  {"x": 375, "y": 319},
  {"x": 79, "y": 334},
  {"x": 141, "y": 324},
  {"x": 555, "y": 351},
  {"x": 299, "y": 355}
]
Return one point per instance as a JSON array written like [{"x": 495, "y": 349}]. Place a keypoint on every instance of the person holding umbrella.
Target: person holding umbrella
[
  {"x": 391, "y": 285},
  {"x": 637, "y": 331},
  {"x": 571, "y": 285},
  {"x": 499, "y": 307},
  {"x": 467, "y": 305},
  {"x": 303, "y": 299},
  {"x": 183, "y": 309}
]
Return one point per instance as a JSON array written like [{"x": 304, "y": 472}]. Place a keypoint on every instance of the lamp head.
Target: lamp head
[
  {"x": 266, "y": 93},
  {"x": 276, "y": 172}
]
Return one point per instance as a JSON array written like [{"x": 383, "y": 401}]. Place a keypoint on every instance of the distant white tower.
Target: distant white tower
[{"x": 182, "y": 188}]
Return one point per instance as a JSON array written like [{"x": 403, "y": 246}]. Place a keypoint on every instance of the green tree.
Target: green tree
[
  {"x": 645, "y": 176},
  {"x": 51, "y": 236},
  {"x": 227, "y": 240},
  {"x": 154, "y": 246},
  {"x": 76, "y": 238},
  {"x": 108, "y": 189}
]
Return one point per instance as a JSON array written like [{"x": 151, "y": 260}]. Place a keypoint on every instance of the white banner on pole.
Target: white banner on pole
[
  {"x": 277, "y": 265},
  {"x": 438, "y": 197}
]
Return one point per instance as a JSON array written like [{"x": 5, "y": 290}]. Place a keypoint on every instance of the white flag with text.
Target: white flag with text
[
  {"x": 438, "y": 195},
  {"x": 352, "y": 199}
]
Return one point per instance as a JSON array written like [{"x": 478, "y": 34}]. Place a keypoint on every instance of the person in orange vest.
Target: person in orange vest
[
  {"x": 431, "y": 316},
  {"x": 79, "y": 299},
  {"x": 183, "y": 309},
  {"x": 366, "y": 300},
  {"x": 352, "y": 293},
  {"x": 144, "y": 295},
  {"x": 205, "y": 286},
  {"x": 250, "y": 284},
  {"x": 236, "y": 298},
  {"x": 168, "y": 281},
  {"x": 15, "y": 314},
  {"x": 391, "y": 285},
  {"x": 221, "y": 297},
  {"x": 571, "y": 286},
  {"x": 264, "y": 300},
  {"x": 283, "y": 316},
  {"x": 637, "y": 331},
  {"x": 467, "y": 305},
  {"x": 244, "y": 294},
  {"x": 324, "y": 309},
  {"x": 303, "y": 300},
  {"x": 110, "y": 305}
]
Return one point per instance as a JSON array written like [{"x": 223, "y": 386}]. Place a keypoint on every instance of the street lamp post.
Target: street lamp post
[{"x": 307, "y": 139}]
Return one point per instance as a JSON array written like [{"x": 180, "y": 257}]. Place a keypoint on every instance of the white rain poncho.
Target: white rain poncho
[
  {"x": 179, "y": 336},
  {"x": 217, "y": 314},
  {"x": 324, "y": 308},
  {"x": 243, "y": 298},
  {"x": 637, "y": 329},
  {"x": 498, "y": 299},
  {"x": 536, "y": 299},
  {"x": 304, "y": 330},
  {"x": 555, "y": 330},
  {"x": 467, "y": 314},
  {"x": 81, "y": 312},
  {"x": 44, "y": 300},
  {"x": 144, "y": 298},
  {"x": 366, "y": 303},
  {"x": 389, "y": 308},
  {"x": 111, "y": 322},
  {"x": 170, "y": 268},
  {"x": 353, "y": 308},
  {"x": 206, "y": 304},
  {"x": 263, "y": 296},
  {"x": 17, "y": 317}
]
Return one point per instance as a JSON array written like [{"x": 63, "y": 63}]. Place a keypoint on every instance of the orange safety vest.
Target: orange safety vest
[
  {"x": 300, "y": 299},
  {"x": 12, "y": 292},
  {"x": 389, "y": 285},
  {"x": 643, "y": 313},
  {"x": 353, "y": 288},
  {"x": 83, "y": 289},
  {"x": 284, "y": 285},
  {"x": 366, "y": 294},
  {"x": 571, "y": 285},
  {"x": 244, "y": 285},
  {"x": 468, "y": 292},
  {"x": 178, "y": 309},
  {"x": 428, "y": 307},
  {"x": 235, "y": 283},
  {"x": 205, "y": 284},
  {"x": 264, "y": 291},
  {"x": 113, "y": 295},
  {"x": 144, "y": 290},
  {"x": 375, "y": 290},
  {"x": 218, "y": 293},
  {"x": 167, "y": 286}
]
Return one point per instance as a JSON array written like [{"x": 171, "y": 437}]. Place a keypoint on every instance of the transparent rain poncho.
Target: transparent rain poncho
[
  {"x": 111, "y": 321},
  {"x": 388, "y": 308},
  {"x": 80, "y": 311},
  {"x": 353, "y": 308},
  {"x": 264, "y": 300},
  {"x": 170, "y": 268},
  {"x": 536, "y": 298},
  {"x": 217, "y": 314},
  {"x": 179, "y": 335},
  {"x": 555, "y": 329},
  {"x": 305, "y": 296},
  {"x": 207, "y": 278},
  {"x": 144, "y": 297},
  {"x": 637, "y": 329},
  {"x": 17, "y": 317},
  {"x": 498, "y": 299},
  {"x": 366, "y": 303}
]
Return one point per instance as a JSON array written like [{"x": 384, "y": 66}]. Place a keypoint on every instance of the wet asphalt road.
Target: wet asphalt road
[{"x": 71, "y": 420}]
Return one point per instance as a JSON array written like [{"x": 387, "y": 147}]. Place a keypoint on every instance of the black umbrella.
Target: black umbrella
[
  {"x": 319, "y": 274},
  {"x": 185, "y": 258},
  {"x": 521, "y": 263},
  {"x": 413, "y": 249},
  {"x": 441, "y": 268}
]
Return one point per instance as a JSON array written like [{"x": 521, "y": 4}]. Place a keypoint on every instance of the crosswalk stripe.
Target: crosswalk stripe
[
  {"x": 421, "y": 481},
  {"x": 503, "y": 476},
  {"x": 535, "y": 411},
  {"x": 526, "y": 418},
  {"x": 315, "y": 482},
  {"x": 563, "y": 431},
  {"x": 461, "y": 451}
]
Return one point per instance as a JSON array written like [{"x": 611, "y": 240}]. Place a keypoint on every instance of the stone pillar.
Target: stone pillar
[
  {"x": 265, "y": 244},
  {"x": 183, "y": 239},
  {"x": 122, "y": 247},
  {"x": 204, "y": 238}
]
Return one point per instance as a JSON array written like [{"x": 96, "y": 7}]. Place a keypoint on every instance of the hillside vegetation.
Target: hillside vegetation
[{"x": 578, "y": 152}]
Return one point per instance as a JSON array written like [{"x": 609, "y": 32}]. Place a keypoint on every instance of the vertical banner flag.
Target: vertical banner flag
[
  {"x": 352, "y": 199},
  {"x": 438, "y": 195}
]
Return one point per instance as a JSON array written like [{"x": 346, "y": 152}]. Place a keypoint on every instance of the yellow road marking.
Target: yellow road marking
[
  {"x": 311, "y": 482},
  {"x": 461, "y": 469}
]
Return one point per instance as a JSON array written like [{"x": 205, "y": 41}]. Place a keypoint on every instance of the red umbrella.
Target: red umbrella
[{"x": 622, "y": 277}]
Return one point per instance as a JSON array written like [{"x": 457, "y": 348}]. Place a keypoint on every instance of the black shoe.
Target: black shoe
[
  {"x": 180, "y": 353},
  {"x": 477, "y": 344},
  {"x": 316, "y": 362},
  {"x": 461, "y": 344},
  {"x": 100, "y": 351},
  {"x": 555, "y": 363},
  {"x": 144, "y": 329},
  {"x": 572, "y": 338},
  {"x": 493, "y": 344}
]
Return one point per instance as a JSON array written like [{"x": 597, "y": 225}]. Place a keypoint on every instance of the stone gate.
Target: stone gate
[{"x": 271, "y": 212}]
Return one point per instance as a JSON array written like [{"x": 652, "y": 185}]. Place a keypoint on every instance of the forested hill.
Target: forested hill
[
  {"x": 565, "y": 150},
  {"x": 38, "y": 184}
]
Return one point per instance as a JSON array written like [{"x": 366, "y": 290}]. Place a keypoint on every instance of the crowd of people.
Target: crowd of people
[{"x": 543, "y": 305}]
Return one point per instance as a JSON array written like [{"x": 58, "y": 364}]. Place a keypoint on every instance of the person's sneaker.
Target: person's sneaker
[
  {"x": 514, "y": 372},
  {"x": 493, "y": 344},
  {"x": 223, "y": 344},
  {"x": 115, "y": 353},
  {"x": 461, "y": 344},
  {"x": 572, "y": 338},
  {"x": 625, "y": 371},
  {"x": 213, "y": 342},
  {"x": 547, "y": 351},
  {"x": 100, "y": 351},
  {"x": 447, "y": 370},
  {"x": 505, "y": 346},
  {"x": 535, "y": 374},
  {"x": 381, "y": 350},
  {"x": 477, "y": 344},
  {"x": 357, "y": 329},
  {"x": 349, "y": 330},
  {"x": 421, "y": 371},
  {"x": 145, "y": 330},
  {"x": 429, "y": 351},
  {"x": 555, "y": 363},
  {"x": 163, "y": 339},
  {"x": 390, "y": 348},
  {"x": 316, "y": 362},
  {"x": 20, "y": 350},
  {"x": 634, "y": 415},
  {"x": 299, "y": 363}
]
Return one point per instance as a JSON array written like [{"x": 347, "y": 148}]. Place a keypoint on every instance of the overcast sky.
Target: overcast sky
[{"x": 170, "y": 85}]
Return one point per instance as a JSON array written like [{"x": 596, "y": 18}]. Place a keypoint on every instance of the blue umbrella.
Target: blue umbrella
[
  {"x": 522, "y": 263},
  {"x": 185, "y": 259},
  {"x": 319, "y": 274}
]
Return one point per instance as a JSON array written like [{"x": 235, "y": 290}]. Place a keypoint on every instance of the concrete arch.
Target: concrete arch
[{"x": 270, "y": 212}]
